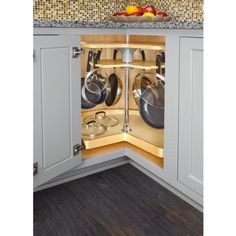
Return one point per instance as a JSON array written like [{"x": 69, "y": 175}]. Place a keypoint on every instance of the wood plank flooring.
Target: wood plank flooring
[{"x": 118, "y": 202}]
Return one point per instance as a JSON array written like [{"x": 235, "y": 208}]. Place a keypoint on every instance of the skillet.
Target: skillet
[{"x": 115, "y": 86}]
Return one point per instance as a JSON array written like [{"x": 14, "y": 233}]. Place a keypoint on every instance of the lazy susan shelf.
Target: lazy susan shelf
[
  {"x": 143, "y": 136},
  {"x": 139, "y": 64},
  {"x": 123, "y": 45}
]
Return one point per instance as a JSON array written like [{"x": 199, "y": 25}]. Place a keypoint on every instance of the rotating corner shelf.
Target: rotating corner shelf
[
  {"x": 137, "y": 64},
  {"x": 141, "y": 136},
  {"x": 131, "y": 130},
  {"x": 123, "y": 45},
  {"x": 88, "y": 153}
]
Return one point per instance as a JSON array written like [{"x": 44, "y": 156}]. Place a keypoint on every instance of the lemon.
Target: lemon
[
  {"x": 148, "y": 14},
  {"x": 131, "y": 9}
]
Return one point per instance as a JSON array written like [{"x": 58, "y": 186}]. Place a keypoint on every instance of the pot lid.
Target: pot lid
[
  {"x": 102, "y": 119},
  {"x": 154, "y": 95},
  {"x": 92, "y": 129}
]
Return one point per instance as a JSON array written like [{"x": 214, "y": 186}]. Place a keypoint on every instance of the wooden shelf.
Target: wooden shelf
[
  {"x": 118, "y": 63},
  {"x": 123, "y": 45},
  {"x": 143, "y": 136},
  {"x": 137, "y": 64},
  {"x": 88, "y": 153}
]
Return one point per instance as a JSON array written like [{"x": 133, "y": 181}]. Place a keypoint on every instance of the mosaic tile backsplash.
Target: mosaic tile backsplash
[{"x": 98, "y": 10}]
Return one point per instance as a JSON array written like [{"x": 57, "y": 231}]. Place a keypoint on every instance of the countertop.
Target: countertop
[{"x": 115, "y": 25}]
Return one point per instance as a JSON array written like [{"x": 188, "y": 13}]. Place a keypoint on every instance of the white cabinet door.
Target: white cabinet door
[
  {"x": 57, "y": 122},
  {"x": 190, "y": 162}
]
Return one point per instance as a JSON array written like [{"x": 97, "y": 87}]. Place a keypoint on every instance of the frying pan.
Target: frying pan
[
  {"x": 151, "y": 104},
  {"x": 85, "y": 104},
  {"x": 115, "y": 86}
]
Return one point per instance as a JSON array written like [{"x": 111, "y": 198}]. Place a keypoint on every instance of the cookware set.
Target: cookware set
[
  {"x": 97, "y": 87},
  {"x": 148, "y": 92}
]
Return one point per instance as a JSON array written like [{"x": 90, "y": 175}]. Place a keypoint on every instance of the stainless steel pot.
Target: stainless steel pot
[{"x": 85, "y": 103}]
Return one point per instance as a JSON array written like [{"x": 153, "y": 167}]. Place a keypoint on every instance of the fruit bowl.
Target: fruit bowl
[{"x": 139, "y": 18}]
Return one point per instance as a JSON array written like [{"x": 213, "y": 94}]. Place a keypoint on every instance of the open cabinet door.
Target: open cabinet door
[{"x": 57, "y": 122}]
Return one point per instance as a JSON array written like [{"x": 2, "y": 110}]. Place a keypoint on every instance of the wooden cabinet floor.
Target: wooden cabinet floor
[{"x": 119, "y": 201}]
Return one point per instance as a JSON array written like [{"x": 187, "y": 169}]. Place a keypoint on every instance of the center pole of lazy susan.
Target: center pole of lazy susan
[{"x": 127, "y": 57}]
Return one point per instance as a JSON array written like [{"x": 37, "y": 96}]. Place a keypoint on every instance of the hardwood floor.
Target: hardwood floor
[{"x": 119, "y": 202}]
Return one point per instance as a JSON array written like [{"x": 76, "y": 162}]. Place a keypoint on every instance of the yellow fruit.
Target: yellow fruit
[
  {"x": 131, "y": 9},
  {"x": 148, "y": 14}
]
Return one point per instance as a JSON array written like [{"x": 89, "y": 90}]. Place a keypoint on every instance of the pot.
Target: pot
[
  {"x": 85, "y": 103},
  {"x": 152, "y": 102},
  {"x": 96, "y": 85}
]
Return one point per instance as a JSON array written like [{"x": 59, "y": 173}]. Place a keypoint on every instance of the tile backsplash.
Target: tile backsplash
[{"x": 98, "y": 10}]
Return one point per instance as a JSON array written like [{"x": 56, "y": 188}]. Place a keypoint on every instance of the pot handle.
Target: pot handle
[
  {"x": 159, "y": 76},
  {"x": 90, "y": 122},
  {"x": 90, "y": 56},
  {"x": 100, "y": 112},
  {"x": 115, "y": 54},
  {"x": 142, "y": 54},
  {"x": 99, "y": 52}
]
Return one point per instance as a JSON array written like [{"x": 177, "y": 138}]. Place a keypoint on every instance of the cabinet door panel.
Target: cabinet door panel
[
  {"x": 56, "y": 106},
  {"x": 190, "y": 169}
]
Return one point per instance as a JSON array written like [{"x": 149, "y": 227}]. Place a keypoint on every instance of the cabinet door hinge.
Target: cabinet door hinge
[
  {"x": 77, "y": 148},
  {"x": 35, "y": 168},
  {"x": 77, "y": 51}
]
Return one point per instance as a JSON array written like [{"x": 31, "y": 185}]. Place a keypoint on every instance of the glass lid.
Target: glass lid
[
  {"x": 142, "y": 81},
  {"x": 92, "y": 129},
  {"x": 94, "y": 79},
  {"x": 154, "y": 95},
  {"x": 102, "y": 119}
]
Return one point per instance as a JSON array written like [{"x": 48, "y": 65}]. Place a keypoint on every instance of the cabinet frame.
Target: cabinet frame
[{"x": 172, "y": 38}]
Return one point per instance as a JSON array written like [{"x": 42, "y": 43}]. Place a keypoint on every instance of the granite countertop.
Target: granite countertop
[{"x": 115, "y": 25}]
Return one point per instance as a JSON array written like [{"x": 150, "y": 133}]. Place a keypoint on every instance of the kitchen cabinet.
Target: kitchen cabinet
[
  {"x": 58, "y": 116},
  {"x": 190, "y": 165},
  {"x": 57, "y": 128}
]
